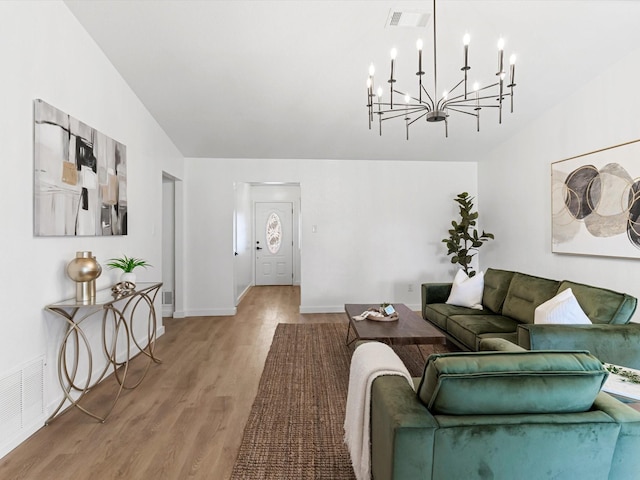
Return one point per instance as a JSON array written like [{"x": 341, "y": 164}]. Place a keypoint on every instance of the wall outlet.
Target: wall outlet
[{"x": 410, "y": 288}]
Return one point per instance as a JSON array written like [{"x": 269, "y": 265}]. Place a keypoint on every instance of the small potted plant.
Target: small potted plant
[{"x": 127, "y": 264}]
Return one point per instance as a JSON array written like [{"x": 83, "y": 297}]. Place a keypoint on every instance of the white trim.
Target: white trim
[
  {"x": 241, "y": 296},
  {"x": 10, "y": 443},
  {"x": 416, "y": 307},
  {"x": 325, "y": 309},
  {"x": 213, "y": 312},
  {"x": 167, "y": 311}
]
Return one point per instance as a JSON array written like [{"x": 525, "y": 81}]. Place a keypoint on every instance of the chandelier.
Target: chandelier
[{"x": 412, "y": 108}]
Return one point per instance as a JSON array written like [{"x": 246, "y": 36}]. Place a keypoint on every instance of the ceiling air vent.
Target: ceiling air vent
[{"x": 407, "y": 19}]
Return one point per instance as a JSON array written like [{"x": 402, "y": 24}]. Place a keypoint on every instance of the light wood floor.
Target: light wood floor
[{"x": 185, "y": 421}]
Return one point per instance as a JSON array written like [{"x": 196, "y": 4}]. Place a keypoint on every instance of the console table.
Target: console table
[{"x": 118, "y": 321}]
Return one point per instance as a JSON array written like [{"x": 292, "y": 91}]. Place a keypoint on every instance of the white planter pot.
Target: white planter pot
[{"x": 128, "y": 277}]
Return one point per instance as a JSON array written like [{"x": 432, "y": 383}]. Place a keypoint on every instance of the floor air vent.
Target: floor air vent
[
  {"x": 21, "y": 398},
  {"x": 167, "y": 298}
]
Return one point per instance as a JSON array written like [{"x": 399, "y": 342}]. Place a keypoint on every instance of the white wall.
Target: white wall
[
  {"x": 379, "y": 226},
  {"x": 168, "y": 243},
  {"x": 243, "y": 261},
  {"x": 515, "y": 182},
  {"x": 46, "y": 54}
]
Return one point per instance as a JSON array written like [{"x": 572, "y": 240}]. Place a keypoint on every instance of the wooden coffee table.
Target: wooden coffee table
[{"x": 409, "y": 329}]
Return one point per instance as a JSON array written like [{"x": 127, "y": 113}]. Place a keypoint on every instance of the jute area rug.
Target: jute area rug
[{"x": 295, "y": 428}]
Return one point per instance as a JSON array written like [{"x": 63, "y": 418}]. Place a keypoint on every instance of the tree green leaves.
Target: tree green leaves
[{"x": 464, "y": 240}]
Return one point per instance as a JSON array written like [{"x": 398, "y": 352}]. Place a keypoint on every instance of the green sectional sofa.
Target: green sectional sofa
[
  {"x": 503, "y": 415},
  {"x": 509, "y": 301}
]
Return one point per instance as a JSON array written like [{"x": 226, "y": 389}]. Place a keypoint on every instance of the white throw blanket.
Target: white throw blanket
[{"x": 369, "y": 361}]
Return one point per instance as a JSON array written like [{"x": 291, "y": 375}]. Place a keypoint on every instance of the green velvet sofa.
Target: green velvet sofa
[
  {"x": 509, "y": 301},
  {"x": 503, "y": 415}
]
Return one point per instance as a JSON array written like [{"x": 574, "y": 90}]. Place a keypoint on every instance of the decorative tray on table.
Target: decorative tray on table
[{"x": 383, "y": 313}]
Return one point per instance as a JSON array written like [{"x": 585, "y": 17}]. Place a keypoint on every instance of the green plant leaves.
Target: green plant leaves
[
  {"x": 464, "y": 241},
  {"x": 127, "y": 264}
]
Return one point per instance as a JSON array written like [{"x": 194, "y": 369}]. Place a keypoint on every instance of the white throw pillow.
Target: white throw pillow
[
  {"x": 561, "y": 309},
  {"x": 467, "y": 292}
]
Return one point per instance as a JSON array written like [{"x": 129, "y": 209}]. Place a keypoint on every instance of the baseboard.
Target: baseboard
[
  {"x": 242, "y": 295},
  {"x": 9, "y": 444},
  {"x": 340, "y": 309},
  {"x": 211, "y": 312},
  {"x": 167, "y": 311},
  {"x": 179, "y": 314},
  {"x": 322, "y": 309}
]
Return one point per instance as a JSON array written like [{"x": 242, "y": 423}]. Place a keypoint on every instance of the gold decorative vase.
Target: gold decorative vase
[{"x": 84, "y": 269}]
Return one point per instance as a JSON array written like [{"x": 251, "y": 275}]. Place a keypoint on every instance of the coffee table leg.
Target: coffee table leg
[{"x": 348, "y": 331}]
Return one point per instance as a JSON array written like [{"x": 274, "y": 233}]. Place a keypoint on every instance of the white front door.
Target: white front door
[{"x": 274, "y": 243}]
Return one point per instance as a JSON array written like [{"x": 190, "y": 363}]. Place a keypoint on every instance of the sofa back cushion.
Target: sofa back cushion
[
  {"x": 602, "y": 305},
  {"x": 496, "y": 285},
  {"x": 505, "y": 383},
  {"x": 525, "y": 293}
]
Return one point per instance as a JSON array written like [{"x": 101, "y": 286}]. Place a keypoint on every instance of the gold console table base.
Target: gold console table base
[{"x": 118, "y": 311}]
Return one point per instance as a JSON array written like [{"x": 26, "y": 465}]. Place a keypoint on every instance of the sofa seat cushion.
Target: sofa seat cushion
[
  {"x": 525, "y": 294},
  {"x": 506, "y": 383},
  {"x": 467, "y": 328},
  {"x": 439, "y": 312},
  {"x": 602, "y": 305}
]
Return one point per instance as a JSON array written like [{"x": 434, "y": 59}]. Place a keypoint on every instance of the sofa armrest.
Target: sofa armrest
[
  {"x": 617, "y": 344},
  {"x": 434, "y": 293},
  {"x": 496, "y": 344},
  {"x": 625, "y": 462},
  {"x": 402, "y": 431}
]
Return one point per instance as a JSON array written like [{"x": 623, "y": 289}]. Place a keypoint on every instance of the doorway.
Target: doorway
[{"x": 274, "y": 243}]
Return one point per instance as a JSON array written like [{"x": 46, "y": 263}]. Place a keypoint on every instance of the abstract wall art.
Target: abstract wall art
[
  {"x": 80, "y": 177},
  {"x": 595, "y": 202}
]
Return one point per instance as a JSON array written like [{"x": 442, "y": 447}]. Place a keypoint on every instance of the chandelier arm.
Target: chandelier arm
[
  {"x": 433, "y": 105},
  {"x": 417, "y": 118},
  {"x": 403, "y": 114},
  {"x": 486, "y": 97},
  {"x": 454, "y": 88},
  {"x": 462, "y": 111},
  {"x": 402, "y": 111},
  {"x": 412, "y": 98},
  {"x": 489, "y": 86}
]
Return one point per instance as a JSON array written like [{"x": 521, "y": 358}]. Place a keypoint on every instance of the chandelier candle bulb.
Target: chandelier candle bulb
[
  {"x": 465, "y": 40},
  {"x": 512, "y": 79},
  {"x": 394, "y": 53},
  {"x": 500, "y": 56},
  {"x": 512, "y": 65}
]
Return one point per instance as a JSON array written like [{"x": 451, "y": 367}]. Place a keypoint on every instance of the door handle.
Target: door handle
[{"x": 258, "y": 248}]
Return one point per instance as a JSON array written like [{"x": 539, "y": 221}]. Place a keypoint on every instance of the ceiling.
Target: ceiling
[{"x": 286, "y": 79}]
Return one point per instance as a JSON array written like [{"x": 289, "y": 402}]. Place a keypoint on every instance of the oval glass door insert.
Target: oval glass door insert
[{"x": 274, "y": 233}]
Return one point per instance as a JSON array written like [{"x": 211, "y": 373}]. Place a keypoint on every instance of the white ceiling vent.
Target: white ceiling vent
[{"x": 399, "y": 18}]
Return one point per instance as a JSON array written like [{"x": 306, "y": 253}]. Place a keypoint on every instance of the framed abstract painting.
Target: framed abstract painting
[
  {"x": 80, "y": 177},
  {"x": 595, "y": 202}
]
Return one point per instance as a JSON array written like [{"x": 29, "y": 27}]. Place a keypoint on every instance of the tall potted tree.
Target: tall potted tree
[{"x": 464, "y": 240}]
